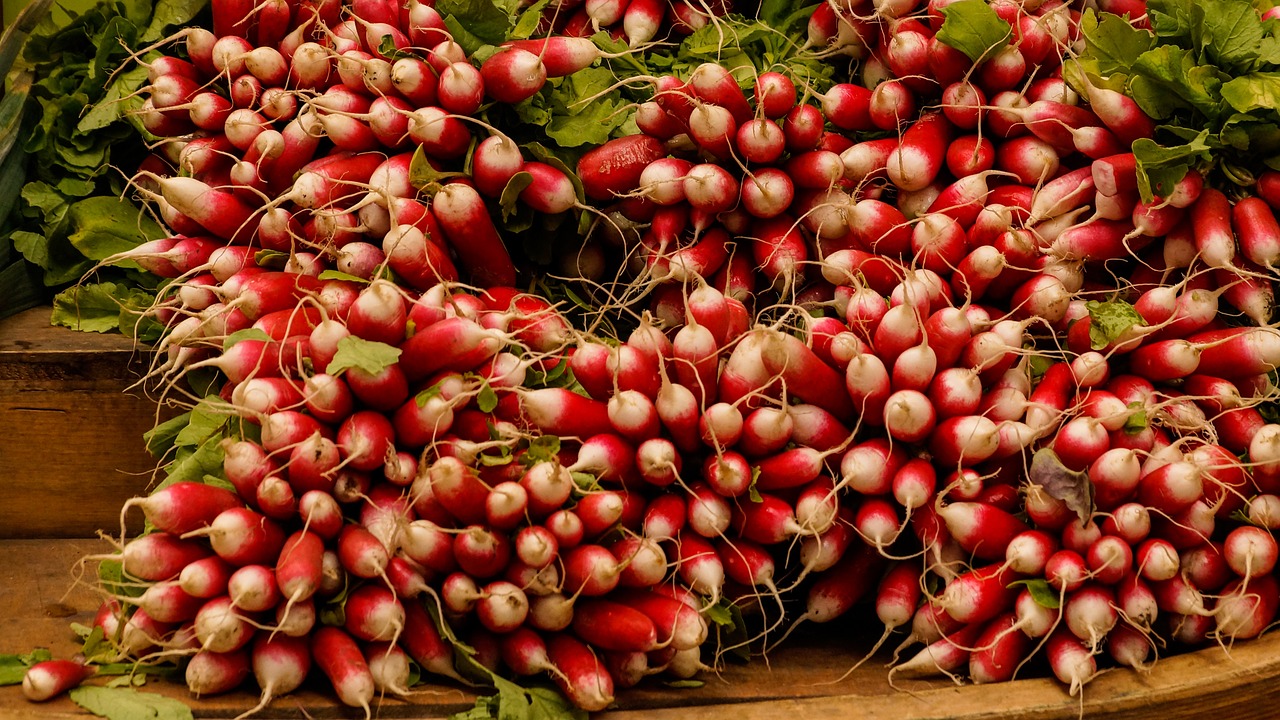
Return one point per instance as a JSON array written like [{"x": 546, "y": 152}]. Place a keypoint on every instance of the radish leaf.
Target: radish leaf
[
  {"x": 128, "y": 704},
  {"x": 486, "y": 21},
  {"x": 1108, "y": 321},
  {"x": 487, "y": 400},
  {"x": 528, "y": 21},
  {"x": 371, "y": 357},
  {"x": 1059, "y": 481},
  {"x": 1137, "y": 420},
  {"x": 509, "y": 201},
  {"x": 1114, "y": 45},
  {"x": 250, "y": 333},
  {"x": 14, "y": 667},
  {"x": 1040, "y": 592},
  {"x": 973, "y": 28}
]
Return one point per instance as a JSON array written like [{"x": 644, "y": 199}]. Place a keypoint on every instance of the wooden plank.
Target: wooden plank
[
  {"x": 71, "y": 444},
  {"x": 39, "y": 599}
]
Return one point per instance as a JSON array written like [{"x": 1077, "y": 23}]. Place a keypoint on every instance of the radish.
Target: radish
[
  {"x": 50, "y": 678},
  {"x": 942, "y": 656},
  {"x": 1070, "y": 660},
  {"x": 999, "y": 650},
  {"x": 210, "y": 673},
  {"x": 581, "y": 676},
  {"x": 340, "y": 659},
  {"x": 918, "y": 159}
]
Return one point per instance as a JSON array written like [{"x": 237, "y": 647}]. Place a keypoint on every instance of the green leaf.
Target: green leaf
[
  {"x": 499, "y": 460},
  {"x": 752, "y": 491},
  {"x": 973, "y": 28},
  {"x": 129, "y": 704},
  {"x": 423, "y": 397},
  {"x": 509, "y": 201},
  {"x": 529, "y": 19},
  {"x": 14, "y": 667},
  {"x": 1233, "y": 34},
  {"x": 91, "y": 308},
  {"x": 421, "y": 173},
  {"x": 249, "y": 333},
  {"x": 161, "y": 438},
  {"x": 169, "y": 13},
  {"x": 1137, "y": 420},
  {"x": 1113, "y": 43},
  {"x": 718, "y": 614},
  {"x": 1071, "y": 487},
  {"x": 371, "y": 357},
  {"x": 543, "y": 448},
  {"x": 339, "y": 275},
  {"x": 194, "y": 464},
  {"x": 487, "y": 399},
  {"x": 684, "y": 684},
  {"x": 32, "y": 246},
  {"x": 1108, "y": 321},
  {"x": 1255, "y": 91},
  {"x": 207, "y": 418},
  {"x": 1170, "y": 18},
  {"x": 1040, "y": 591},
  {"x": 575, "y": 121},
  {"x": 482, "y": 19},
  {"x": 1160, "y": 168},
  {"x": 584, "y": 480}
]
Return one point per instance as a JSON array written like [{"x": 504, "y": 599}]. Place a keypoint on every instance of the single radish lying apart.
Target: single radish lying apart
[{"x": 49, "y": 679}]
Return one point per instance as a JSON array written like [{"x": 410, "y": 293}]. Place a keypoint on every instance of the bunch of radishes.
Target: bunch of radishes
[
  {"x": 964, "y": 403},
  {"x": 635, "y": 21}
]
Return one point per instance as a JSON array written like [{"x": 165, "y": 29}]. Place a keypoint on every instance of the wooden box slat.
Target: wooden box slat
[{"x": 71, "y": 448}]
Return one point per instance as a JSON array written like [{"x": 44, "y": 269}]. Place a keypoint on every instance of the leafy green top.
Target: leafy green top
[
  {"x": 973, "y": 28},
  {"x": 1209, "y": 70}
]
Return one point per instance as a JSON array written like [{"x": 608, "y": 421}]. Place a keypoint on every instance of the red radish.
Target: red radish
[
  {"x": 160, "y": 556},
  {"x": 979, "y": 595},
  {"x": 999, "y": 650},
  {"x": 184, "y": 506},
  {"x": 944, "y": 655},
  {"x": 1109, "y": 559},
  {"x": 590, "y": 570},
  {"x": 1070, "y": 660},
  {"x": 340, "y": 659},
  {"x": 614, "y": 626},
  {"x": 918, "y": 159},
  {"x": 1090, "y": 613},
  {"x": 253, "y": 588},
  {"x": 1247, "y": 607},
  {"x": 581, "y": 676},
  {"x": 803, "y": 124},
  {"x": 1250, "y": 551},
  {"x": 981, "y": 529},
  {"x": 615, "y": 167},
  {"x": 210, "y": 673},
  {"x": 871, "y": 467},
  {"x": 1028, "y": 552},
  {"x": 219, "y": 628},
  {"x": 502, "y": 606},
  {"x": 372, "y": 612},
  {"x": 50, "y": 678}
]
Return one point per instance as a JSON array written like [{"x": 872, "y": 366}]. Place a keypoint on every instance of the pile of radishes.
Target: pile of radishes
[{"x": 915, "y": 338}]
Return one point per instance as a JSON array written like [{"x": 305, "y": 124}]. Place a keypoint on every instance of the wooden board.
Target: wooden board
[
  {"x": 39, "y": 599},
  {"x": 70, "y": 434}
]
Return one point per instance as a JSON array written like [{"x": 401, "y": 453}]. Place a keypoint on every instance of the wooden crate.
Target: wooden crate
[{"x": 71, "y": 453}]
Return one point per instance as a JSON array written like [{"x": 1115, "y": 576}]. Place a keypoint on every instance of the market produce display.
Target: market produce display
[{"x": 550, "y": 346}]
